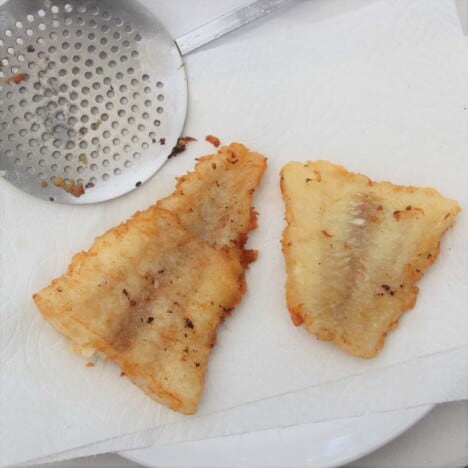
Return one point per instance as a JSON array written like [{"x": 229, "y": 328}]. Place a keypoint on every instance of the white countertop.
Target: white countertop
[{"x": 438, "y": 440}]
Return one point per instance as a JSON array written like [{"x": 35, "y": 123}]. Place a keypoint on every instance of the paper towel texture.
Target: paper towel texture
[
  {"x": 381, "y": 90},
  {"x": 432, "y": 379}
]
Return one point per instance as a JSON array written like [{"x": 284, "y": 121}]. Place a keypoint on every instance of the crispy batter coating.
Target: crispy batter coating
[
  {"x": 354, "y": 250},
  {"x": 215, "y": 201},
  {"x": 149, "y": 295}
]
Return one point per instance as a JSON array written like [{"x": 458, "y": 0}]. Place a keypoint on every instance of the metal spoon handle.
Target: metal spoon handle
[{"x": 226, "y": 23}]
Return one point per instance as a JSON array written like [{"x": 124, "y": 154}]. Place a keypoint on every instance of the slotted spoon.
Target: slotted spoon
[{"x": 93, "y": 93}]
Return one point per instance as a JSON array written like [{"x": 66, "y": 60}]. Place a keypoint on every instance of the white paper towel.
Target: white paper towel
[
  {"x": 424, "y": 381},
  {"x": 428, "y": 380},
  {"x": 381, "y": 89}
]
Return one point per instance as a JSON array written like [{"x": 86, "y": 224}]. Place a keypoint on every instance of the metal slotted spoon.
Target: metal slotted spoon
[{"x": 93, "y": 93}]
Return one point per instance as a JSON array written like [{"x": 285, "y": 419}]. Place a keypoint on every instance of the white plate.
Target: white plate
[{"x": 326, "y": 444}]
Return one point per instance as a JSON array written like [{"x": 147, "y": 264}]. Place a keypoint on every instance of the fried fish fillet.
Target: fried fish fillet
[
  {"x": 354, "y": 250},
  {"x": 150, "y": 293},
  {"x": 215, "y": 201}
]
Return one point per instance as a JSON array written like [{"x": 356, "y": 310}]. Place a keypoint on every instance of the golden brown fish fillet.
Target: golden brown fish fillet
[
  {"x": 215, "y": 201},
  {"x": 149, "y": 295},
  {"x": 354, "y": 250}
]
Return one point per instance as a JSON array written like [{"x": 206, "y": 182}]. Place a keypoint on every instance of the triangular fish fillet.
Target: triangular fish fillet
[
  {"x": 150, "y": 293},
  {"x": 354, "y": 250}
]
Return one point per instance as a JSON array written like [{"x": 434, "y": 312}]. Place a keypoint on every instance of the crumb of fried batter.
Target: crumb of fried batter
[
  {"x": 71, "y": 186},
  {"x": 17, "y": 78},
  {"x": 180, "y": 146},
  {"x": 213, "y": 140}
]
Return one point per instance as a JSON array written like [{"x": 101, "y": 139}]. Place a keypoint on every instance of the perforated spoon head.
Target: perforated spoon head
[{"x": 93, "y": 97}]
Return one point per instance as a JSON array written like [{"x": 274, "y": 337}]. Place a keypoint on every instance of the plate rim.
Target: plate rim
[
  {"x": 406, "y": 426},
  {"x": 348, "y": 453}
]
